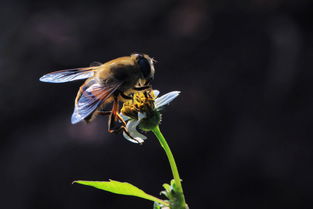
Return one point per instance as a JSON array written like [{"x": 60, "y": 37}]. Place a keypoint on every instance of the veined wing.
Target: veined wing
[
  {"x": 63, "y": 76},
  {"x": 91, "y": 98}
]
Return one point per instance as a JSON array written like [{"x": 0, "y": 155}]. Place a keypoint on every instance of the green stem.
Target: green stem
[{"x": 172, "y": 162}]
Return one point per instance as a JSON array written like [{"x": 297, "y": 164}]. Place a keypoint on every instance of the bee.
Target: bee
[{"x": 114, "y": 81}]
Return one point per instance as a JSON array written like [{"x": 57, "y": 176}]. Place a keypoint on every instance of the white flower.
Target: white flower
[{"x": 133, "y": 123}]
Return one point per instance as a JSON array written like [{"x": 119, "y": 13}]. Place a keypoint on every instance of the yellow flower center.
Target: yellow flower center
[{"x": 143, "y": 101}]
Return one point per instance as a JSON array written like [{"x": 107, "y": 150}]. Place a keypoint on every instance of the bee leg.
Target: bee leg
[
  {"x": 123, "y": 128},
  {"x": 113, "y": 118},
  {"x": 113, "y": 129},
  {"x": 121, "y": 119},
  {"x": 146, "y": 94},
  {"x": 102, "y": 112},
  {"x": 141, "y": 88}
]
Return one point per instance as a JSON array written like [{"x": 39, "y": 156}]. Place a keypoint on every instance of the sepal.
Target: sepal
[{"x": 174, "y": 197}]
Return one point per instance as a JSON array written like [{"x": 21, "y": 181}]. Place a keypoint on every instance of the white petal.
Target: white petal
[
  {"x": 165, "y": 99},
  {"x": 124, "y": 117},
  {"x": 141, "y": 116},
  {"x": 156, "y": 93},
  {"x": 132, "y": 130}
]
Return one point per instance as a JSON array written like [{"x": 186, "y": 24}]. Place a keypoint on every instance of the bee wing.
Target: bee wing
[
  {"x": 63, "y": 76},
  {"x": 91, "y": 98}
]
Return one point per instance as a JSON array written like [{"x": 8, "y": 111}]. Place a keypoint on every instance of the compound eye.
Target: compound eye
[{"x": 144, "y": 67}]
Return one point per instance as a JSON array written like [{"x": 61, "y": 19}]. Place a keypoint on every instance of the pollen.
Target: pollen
[{"x": 143, "y": 101}]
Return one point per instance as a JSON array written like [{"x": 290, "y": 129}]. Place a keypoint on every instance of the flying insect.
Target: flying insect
[{"x": 113, "y": 81}]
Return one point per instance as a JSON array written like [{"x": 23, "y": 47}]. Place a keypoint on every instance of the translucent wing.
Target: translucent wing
[
  {"x": 63, "y": 76},
  {"x": 91, "y": 98}
]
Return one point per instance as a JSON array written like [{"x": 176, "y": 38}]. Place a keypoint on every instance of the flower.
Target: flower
[{"x": 143, "y": 111}]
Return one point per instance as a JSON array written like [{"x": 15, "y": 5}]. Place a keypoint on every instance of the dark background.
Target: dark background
[{"x": 240, "y": 130}]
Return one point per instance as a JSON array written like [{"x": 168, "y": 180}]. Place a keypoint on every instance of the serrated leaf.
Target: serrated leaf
[{"x": 122, "y": 188}]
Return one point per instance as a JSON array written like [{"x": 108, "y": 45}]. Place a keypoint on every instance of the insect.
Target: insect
[{"x": 113, "y": 81}]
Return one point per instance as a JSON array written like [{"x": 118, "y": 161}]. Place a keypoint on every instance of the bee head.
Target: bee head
[{"x": 146, "y": 65}]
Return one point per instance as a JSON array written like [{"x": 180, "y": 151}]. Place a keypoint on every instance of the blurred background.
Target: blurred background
[{"x": 240, "y": 131}]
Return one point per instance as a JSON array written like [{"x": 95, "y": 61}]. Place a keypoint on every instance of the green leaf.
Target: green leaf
[{"x": 122, "y": 188}]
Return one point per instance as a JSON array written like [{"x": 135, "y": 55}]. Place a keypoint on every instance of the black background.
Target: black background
[{"x": 240, "y": 130}]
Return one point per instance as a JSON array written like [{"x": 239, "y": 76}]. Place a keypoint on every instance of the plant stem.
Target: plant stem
[{"x": 172, "y": 162}]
